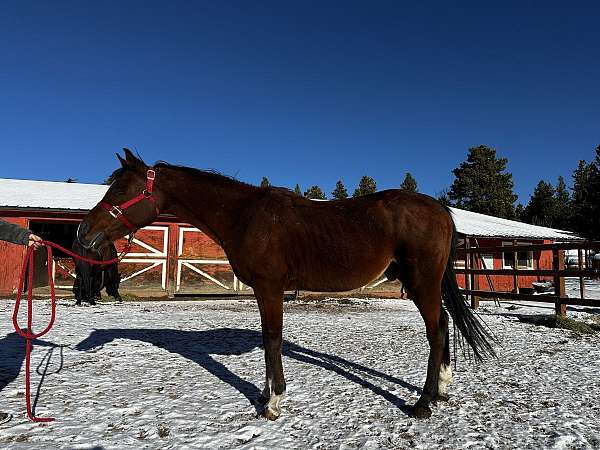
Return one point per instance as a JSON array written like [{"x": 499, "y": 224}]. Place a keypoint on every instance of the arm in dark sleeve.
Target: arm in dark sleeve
[{"x": 14, "y": 233}]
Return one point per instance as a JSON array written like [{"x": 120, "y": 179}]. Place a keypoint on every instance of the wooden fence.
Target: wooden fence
[{"x": 474, "y": 266}]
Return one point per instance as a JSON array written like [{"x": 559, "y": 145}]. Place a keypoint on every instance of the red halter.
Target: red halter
[{"x": 117, "y": 211}]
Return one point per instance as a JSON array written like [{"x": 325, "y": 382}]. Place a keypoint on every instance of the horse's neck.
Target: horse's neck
[{"x": 210, "y": 202}]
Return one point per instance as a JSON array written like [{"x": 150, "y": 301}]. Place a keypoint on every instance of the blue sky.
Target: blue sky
[{"x": 300, "y": 92}]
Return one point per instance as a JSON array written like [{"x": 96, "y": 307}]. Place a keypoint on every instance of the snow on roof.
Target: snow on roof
[
  {"x": 50, "y": 195},
  {"x": 54, "y": 195},
  {"x": 475, "y": 224}
]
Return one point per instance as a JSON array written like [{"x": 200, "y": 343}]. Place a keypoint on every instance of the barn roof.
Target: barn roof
[
  {"x": 481, "y": 225},
  {"x": 49, "y": 195},
  {"x": 60, "y": 196}
]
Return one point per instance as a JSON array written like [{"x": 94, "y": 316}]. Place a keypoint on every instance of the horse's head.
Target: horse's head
[{"x": 130, "y": 203}]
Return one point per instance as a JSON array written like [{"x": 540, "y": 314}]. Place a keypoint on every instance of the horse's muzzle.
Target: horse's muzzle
[{"x": 94, "y": 243}]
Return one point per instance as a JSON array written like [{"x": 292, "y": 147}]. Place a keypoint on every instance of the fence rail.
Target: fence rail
[{"x": 475, "y": 265}]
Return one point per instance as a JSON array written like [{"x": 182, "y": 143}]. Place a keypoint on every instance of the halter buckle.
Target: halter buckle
[
  {"x": 151, "y": 174},
  {"x": 115, "y": 211}
]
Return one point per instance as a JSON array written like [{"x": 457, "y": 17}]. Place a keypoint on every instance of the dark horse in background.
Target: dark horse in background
[
  {"x": 90, "y": 279},
  {"x": 276, "y": 240}
]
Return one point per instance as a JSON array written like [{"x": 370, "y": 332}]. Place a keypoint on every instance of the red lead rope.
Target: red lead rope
[{"x": 28, "y": 333}]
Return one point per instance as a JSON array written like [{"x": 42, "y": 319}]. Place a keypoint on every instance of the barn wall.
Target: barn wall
[
  {"x": 12, "y": 259},
  {"x": 504, "y": 283}
]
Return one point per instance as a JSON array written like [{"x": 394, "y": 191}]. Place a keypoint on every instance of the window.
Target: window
[
  {"x": 487, "y": 261},
  {"x": 524, "y": 259}
]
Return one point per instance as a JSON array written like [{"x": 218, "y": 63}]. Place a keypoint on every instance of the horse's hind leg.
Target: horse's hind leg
[
  {"x": 428, "y": 298},
  {"x": 270, "y": 303},
  {"x": 445, "y": 377}
]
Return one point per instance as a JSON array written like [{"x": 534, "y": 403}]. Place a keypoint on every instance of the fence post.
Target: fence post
[
  {"x": 581, "y": 281},
  {"x": 467, "y": 267},
  {"x": 558, "y": 263},
  {"x": 474, "y": 280},
  {"x": 515, "y": 268}
]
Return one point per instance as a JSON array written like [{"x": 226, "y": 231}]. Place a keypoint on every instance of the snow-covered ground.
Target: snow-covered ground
[
  {"x": 182, "y": 375},
  {"x": 591, "y": 288}
]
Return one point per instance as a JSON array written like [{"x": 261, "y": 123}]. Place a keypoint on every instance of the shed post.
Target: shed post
[
  {"x": 515, "y": 268},
  {"x": 558, "y": 263},
  {"x": 467, "y": 267}
]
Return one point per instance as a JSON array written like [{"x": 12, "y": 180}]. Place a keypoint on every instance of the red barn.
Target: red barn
[{"x": 170, "y": 257}]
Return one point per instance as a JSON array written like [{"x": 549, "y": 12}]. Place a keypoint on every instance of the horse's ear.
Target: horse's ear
[
  {"x": 133, "y": 161},
  {"x": 122, "y": 161},
  {"x": 129, "y": 156}
]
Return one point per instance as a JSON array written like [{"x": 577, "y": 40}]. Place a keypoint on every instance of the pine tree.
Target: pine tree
[
  {"x": 297, "y": 189},
  {"x": 519, "y": 210},
  {"x": 581, "y": 208},
  {"x": 366, "y": 186},
  {"x": 409, "y": 183},
  {"x": 595, "y": 197},
  {"x": 71, "y": 180},
  {"x": 340, "y": 191},
  {"x": 443, "y": 198},
  {"x": 562, "y": 201},
  {"x": 315, "y": 192},
  {"x": 481, "y": 184},
  {"x": 541, "y": 209},
  {"x": 108, "y": 180},
  {"x": 265, "y": 183}
]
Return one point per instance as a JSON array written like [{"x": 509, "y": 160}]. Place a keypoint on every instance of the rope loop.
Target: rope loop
[{"x": 28, "y": 333}]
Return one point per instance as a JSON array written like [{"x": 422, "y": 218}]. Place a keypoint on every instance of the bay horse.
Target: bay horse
[
  {"x": 276, "y": 240},
  {"x": 90, "y": 279}
]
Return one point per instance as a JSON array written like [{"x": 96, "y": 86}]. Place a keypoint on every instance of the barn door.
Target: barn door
[{"x": 145, "y": 266}]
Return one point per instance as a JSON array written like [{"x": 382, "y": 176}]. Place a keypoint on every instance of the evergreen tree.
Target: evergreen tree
[
  {"x": 581, "y": 207},
  {"x": 585, "y": 201},
  {"x": 595, "y": 197},
  {"x": 519, "y": 210},
  {"x": 366, "y": 186},
  {"x": 108, "y": 181},
  {"x": 315, "y": 192},
  {"x": 562, "y": 201},
  {"x": 481, "y": 184},
  {"x": 443, "y": 198},
  {"x": 541, "y": 209},
  {"x": 265, "y": 183},
  {"x": 340, "y": 191},
  {"x": 297, "y": 189},
  {"x": 409, "y": 183},
  {"x": 71, "y": 180}
]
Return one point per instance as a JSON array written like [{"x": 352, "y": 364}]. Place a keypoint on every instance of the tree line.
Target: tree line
[
  {"x": 366, "y": 185},
  {"x": 483, "y": 185}
]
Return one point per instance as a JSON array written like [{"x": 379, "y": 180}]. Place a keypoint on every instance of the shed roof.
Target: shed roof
[
  {"x": 50, "y": 195},
  {"x": 60, "y": 196},
  {"x": 482, "y": 225}
]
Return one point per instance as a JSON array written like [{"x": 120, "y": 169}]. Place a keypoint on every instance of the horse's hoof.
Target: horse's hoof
[
  {"x": 271, "y": 414},
  {"x": 442, "y": 398},
  {"x": 421, "y": 412}
]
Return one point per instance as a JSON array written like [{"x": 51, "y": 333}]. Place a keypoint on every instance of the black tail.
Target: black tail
[{"x": 469, "y": 326}]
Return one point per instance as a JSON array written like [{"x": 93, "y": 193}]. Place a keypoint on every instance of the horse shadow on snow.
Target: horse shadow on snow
[{"x": 198, "y": 346}]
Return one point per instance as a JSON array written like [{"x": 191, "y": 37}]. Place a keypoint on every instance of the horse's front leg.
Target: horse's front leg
[{"x": 270, "y": 303}]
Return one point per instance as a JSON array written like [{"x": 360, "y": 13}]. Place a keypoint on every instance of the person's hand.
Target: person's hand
[{"x": 34, "y": 240}]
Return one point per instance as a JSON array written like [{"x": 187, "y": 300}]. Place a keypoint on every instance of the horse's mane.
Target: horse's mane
[{"x": 215, "y": 175}]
